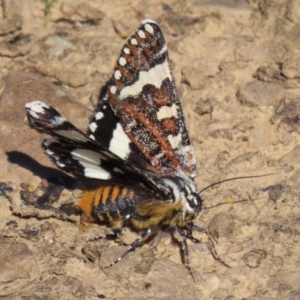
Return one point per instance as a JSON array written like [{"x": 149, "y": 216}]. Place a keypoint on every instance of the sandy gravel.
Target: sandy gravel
[{"x": 237, "y": 68}]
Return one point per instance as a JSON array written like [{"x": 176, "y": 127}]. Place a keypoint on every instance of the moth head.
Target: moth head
[{"x": 183, "y": 190}]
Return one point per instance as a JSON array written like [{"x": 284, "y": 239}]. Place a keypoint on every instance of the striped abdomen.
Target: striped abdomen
[
  {"x": 108, "y": 204},
  {"x": 114, "y": 204}
]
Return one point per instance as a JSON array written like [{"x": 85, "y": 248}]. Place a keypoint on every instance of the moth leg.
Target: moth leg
[
  {"x": 156, "y": 240},
  {"x": 180, "y": 237},
  {"x": 211, "y": 245},
  {"x": 139, "y": 241},
  {"x": 158, "y": 233},
  {"x": 190, "y": 237}
]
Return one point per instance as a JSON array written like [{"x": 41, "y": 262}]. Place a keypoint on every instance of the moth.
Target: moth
[{"x": 137, "y": 145}]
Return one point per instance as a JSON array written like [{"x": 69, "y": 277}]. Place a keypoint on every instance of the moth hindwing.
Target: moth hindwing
[{"x": 137, "y": 145}]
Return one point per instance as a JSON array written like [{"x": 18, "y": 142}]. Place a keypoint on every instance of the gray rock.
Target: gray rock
[
  {"x": 257, "y": 93},
  {"x": 221, "y": 226}
]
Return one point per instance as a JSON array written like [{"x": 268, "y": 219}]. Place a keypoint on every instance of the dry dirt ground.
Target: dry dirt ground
[{"x": 237, "y": 68}]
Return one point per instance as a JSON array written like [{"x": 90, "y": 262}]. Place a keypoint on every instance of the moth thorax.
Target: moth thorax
[{"x": 184, "y": 191}]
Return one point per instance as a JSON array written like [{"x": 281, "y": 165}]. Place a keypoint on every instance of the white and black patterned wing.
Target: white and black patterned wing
[
  {"x": 73, "y": 151},
  {"x": 106, "y": 130},
  {"x": 149, "y": 121}
]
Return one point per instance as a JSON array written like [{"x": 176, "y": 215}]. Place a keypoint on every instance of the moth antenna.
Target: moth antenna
[{"x": 235, "y": 178}]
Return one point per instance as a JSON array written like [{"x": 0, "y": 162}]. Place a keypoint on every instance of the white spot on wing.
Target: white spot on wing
[
  {"x": 60, "y": 164},
  {"x": 174, "y": 140},
  {"x": 49, "y": 152},
  {"x": 117, "y": 75},
  {"x": 33, "y": 114},
  {"x": 99, "y": 115},
  {"x": 167, "y": 112},
  {"x": 122, "y": 61},
  {"x": 113, "y": 90},
  {"x": 154, "y": 76},
  {"x": 133, "y": 41},
  {"x": 91, "y": 162},
  {"x": 93, "y": 126},
  {"x": 141, "y": 34},
  {"x": 58, "y": 120},
  {"x": 36, "y": 107},
  {"x": 126, "y": 50},
  {"x": 149, "y": 28},
  {"x": 119, "y": 143}
]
